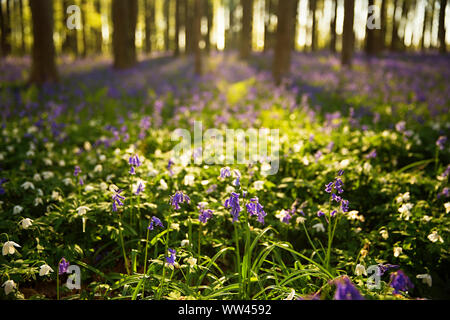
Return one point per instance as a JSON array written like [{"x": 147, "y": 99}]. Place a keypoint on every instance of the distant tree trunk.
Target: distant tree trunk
[
  {"x": 282, "y": 58},
  {"x": 405, "y": 9},
  {"x": 43, "y": 67},
  {"x": 371, "y": 41},
  {"x": 22, "y": 28},
  {"x": 313, "y": 7},
  {"x": 70, "y": 42},
  {"x": 294, "y": 25},
  {"x": 148, "y": 18},
  {"x": 348, "y": 36},
  {"x": 124, "y": 18},
  {"x": 176, "y": 52},
  {"x": 98, "y": 31},
  {"x": 333, "y": 28},
  {"x": 84, "y": 28},
  {"x": 441, "y": 31},
  {"x": 395, "y": 40},
  {"x": 268, "y": 36},
  {"x": 383, "y": 24},
  {"x": 188, "y": 18},
  {"x": 425, "y": 24},
  {"x": 5, "y": 29},
  {"x": 197, "y": 36},
  {"x": 209, "y": 18},
  {"x": 167, "y": 20},
  {"x": 246, "y": 32}
]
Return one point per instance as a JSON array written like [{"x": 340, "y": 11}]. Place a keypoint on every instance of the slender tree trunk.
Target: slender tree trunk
[
  {"x": 70, "y": 42},
  {"x": 348, "y": 37},
  {"x": 98, "y": 31},
  {"x": 383, "y": 24},
  {"x": 370, "y": 35},
  {"x": 167, "y": 20},
  {"x": 5, "y": 29},
  {"x": 188, "y": 18},
  {"x": 425, "y": 24},
  {"x": 209, "y": 17},
  {"x": 43, "y": 66},
  {"x": 148, "y": 17},
  {"x": 124, "y": 18},
  {"x": 176, "y": 52},
  {"x": 333, "y": 28},
  {"x": 246, "y": 32},
  {"x": 267, "y": 33},
  {"x": 441, "y": 30},
  {"x": 22, "y": 28},
  {"x": 395, "y": 40},
  {"x": 197, "y": 36},
  {"x": 313, "y": 7},
  {"x": 282, "y": 58},
  {"x": 84, "y": 28},
  {"x": 294, "y": 24}
]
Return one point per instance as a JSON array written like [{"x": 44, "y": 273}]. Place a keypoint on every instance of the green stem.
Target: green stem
[
  {"x": 123, "y": 248},
  {"x": 238, "y": 255},
  {"x": 199, "y": 242},
  {"x": 145, "y": 262}
]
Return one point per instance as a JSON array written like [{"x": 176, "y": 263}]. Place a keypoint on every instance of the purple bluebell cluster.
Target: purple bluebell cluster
[
  {"x": 171, "y": 258},
  {"x": 139, "y": 189},
  {"x": 155, "y": 222},
  {"x": 2, "y": 190},
  {"x": 345, "y": 290},
  {"x": 76, "y": 172},
  {"x": 169, "y": 166},
  {"x": 117, "y": 199},
  {"x": 178, "y": 198},
  {"x": 372, "y": 154},
  {"x": 337, "y": 185},
  {"x": 63, "y": 265},
  {"x": 225, "y": 172},
  {"x": 440, "y": 142},
  {"x": 134, "y": 163},
  {"x": 400, "y": 282},
  {"x": 255, "y": 208},
  {"x": 205, "y": 214},
  {"x": 383, "y": 268},
  {"x": 233, "y": 203},
  {"x": 444, "y": 193}
]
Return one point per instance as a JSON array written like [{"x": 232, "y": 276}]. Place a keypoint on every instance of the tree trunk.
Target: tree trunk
[
  {"x": 176, "y": 52},
  {"x": 124, "y": 18},
  {"x": 441, "y": 31},
  {"x": 70, "y": 42},
  {"x": 293, "y": 30},
  {"x": 98, "y": 31},
  {"x": 209, "y": 17},
  {"x": 333, "y": 28},
  {"x": 426, "y": 18},
  {"x": 313, "y": 7},
  {"x": 370, "y": 35},
  {"x": 246, "y": 32},
  {"x": 268, "y": 36},
  {"x": 84, "y": 28},
  {"x": 197, "y": 36},
  {"x": 383, "y": 24},
  {"x": 43, "y": 67},
  {"x": 282, "y": 58},
  {"x": 348, "y": 36},
  {"x": 188, "y": 16},
  {"x": 5, "y": 17},
  {"x": 167, "y": 20},
  {"x": 148, "y": 18},
  {"x": 22, "y": 28},
  {"x": 395, "y": 40}
]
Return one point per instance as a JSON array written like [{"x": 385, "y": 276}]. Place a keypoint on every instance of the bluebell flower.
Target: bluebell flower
[
  {"x": 233, "y": 203},
  {"x": 385, "y": 267},
  {"x": 333, "y": 213},
  {"x": 345, "y": 290},
  {"x": 134, "y": 162},
  {"x": 169, "y": 166},
  {"x": 336, "y": 198},
  {"x": 117, "y": 198},
  {"x": 77, "y": 171},
  {"x": 2, "y": 190},
  {"x": 177, "y": 198},
  {"x": 171, "y": 258},
  {"x": 344, "y": 205},
  {"x": 225, "y": 172},
  {"x": 440, "y": 142},
  {"x": 63, "y": 265},
  {"x": 400, "y": 282},
  {"x": 139, "y": 189},
  {"x": 371, "y": 155},
  {"x": 320, "y": 213},
  {"x": 155, "y": 222},
  {"x": 255, "y": 208},
  {"x": 205, "y": 214}
]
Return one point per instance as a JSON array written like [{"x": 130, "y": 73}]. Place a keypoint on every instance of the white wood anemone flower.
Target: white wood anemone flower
[
  {"x": 319, "y": 227},
  {"x": 10, "y": 286},
  {"x": 44, "y": 270},
  {"x": 434, "y": 237},
  {"x": 360, "y": 270},
  {"x": 426, "y": 278},
  {"x": 26, "y": 223},
  {"x": 9, "y": 247},
  {"x": 17, "y": 209}
]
